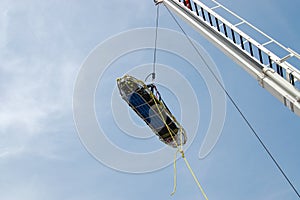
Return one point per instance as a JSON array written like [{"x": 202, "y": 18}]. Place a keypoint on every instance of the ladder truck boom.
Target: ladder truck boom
[{"x": 273, "y": 73}]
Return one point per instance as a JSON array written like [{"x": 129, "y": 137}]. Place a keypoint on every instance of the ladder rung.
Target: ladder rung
[
  {"x": 285, "y": 58},
  {"x": 240, "y": 23},
  {"x": 294, "y": 53},
  {"x": 266, "y": 43},
  {"x": 218, "y": 6},
  {"x": 245, "y": 41}
]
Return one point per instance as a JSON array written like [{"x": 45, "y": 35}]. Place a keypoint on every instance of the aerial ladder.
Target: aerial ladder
[{"x": 274, "y": 73}]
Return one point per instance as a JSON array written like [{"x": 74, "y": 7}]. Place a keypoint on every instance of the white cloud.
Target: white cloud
[
  {"x": 34, "y": 91},
  {"x": 7, "y": 152},
  {"x": 29, "y": 189},
  {"x": 3, "y": 27},
  {"x": 31, "y": 100},
  {"x": 37, "y": 71}
]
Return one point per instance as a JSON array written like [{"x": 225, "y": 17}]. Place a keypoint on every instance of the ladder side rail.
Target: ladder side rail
[
  {"x": 288, "y": 67},
  {"x": 267, "y": 77},
  {"x": 273, "y": 57},
  {"x": 283, "y": 68}
]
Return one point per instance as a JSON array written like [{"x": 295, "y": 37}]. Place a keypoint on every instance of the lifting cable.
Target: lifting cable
[
  {"x": 153, "y": 74},
  {"x": 236, "y": 106}
]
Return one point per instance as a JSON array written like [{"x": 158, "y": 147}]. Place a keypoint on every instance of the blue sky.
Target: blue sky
[{"x": 42, "y": 47}]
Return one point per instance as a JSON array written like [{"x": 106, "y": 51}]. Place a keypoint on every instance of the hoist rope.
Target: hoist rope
[
  {"x": 236, "y": 106},
  {"x": 155, "y": 43},
  {"x": 153, "y": 74}
]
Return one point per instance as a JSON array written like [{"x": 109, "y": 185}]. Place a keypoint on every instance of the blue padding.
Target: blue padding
[
  {"x": 140, "y": 105},
  {"x": 143, "y": 109}
]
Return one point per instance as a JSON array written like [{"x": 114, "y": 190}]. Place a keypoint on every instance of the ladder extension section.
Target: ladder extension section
[{"x": 273, "y": 73}]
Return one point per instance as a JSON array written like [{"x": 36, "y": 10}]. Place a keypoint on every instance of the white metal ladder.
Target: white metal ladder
[{"x": 273, "y": 73}]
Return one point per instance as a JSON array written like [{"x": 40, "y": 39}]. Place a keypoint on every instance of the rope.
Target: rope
[
  {"x": 236, "y": 107},
  {"x": 179, "y": 149},
  {"x": 195, "y": 178},
  {"x": 175, "y": 158},
  {"x": 155, "y": 43},
  {"x": 162, "y": 118},
  {"x": 175, "y": 175},
  {"x": 191, "y": 171}
]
